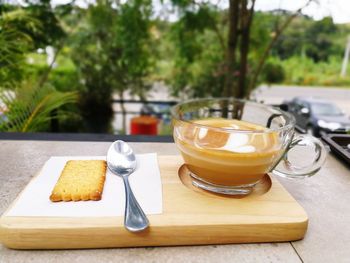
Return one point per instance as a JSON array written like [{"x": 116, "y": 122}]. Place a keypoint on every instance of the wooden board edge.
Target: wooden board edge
[{"x": 156, "y": 236}]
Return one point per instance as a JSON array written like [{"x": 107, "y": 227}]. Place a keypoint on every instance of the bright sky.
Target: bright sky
[{"x": 339, "y": 10}]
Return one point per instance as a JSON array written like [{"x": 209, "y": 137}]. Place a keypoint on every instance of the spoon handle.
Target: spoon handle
[{"x": 135, "y": 219}]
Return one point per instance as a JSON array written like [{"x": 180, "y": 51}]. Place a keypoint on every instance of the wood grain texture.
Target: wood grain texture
[{"x": 188, "y": 218}]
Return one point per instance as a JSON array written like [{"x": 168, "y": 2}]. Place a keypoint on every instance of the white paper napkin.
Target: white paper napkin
[{"x": 145, "y": 182}]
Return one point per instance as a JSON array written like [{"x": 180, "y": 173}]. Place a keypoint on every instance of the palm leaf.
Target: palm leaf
[{"x": 29, "y": 108}]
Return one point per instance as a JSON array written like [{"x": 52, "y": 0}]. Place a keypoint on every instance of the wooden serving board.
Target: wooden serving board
[{"x": 190, "y": 217}]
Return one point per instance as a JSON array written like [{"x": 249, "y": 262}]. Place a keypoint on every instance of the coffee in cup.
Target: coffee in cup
[{"x": 228, "y": 145}]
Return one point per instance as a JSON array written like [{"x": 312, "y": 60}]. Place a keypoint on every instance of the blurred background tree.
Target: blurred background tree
[
  {"x": 110, "y": 53},
  {"x": 14, "y": 44},
  {"x": 213, "y": 46},
  {"x": 30, "y": 105}
]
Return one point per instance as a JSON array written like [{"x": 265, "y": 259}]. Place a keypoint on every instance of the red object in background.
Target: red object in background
[{"x": 144, "y": 125}]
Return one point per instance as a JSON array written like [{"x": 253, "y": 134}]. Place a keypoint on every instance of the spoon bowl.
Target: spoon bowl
[{"x": 121, "y": 161}]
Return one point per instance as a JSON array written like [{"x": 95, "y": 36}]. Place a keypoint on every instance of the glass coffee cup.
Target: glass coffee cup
[{"x": 228, "y": 145}]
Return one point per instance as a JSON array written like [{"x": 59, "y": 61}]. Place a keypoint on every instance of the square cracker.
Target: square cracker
[{"x": 80, "y": 180}]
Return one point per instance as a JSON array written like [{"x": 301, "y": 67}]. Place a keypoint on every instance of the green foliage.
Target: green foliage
[
  {"x": 111, "y": 53},
  {"x": 319, "y": 45},
  {"x": 273, "y": 73},
  {"x": 305, "y": 72},
  {"x": 133, "y": 38},
  {"x": 198, "y": 68},
  {"x": 315, "y": 39},
  {"x": 262, "y": 30},
  {"x": 186, "y": 32},
  {"x": 198, "y": 61},
  {"x": 92, "y": 56},
  {"x": 208, "y": 71},
  {"x": 94, "y": 53},
  {"x": 13, "y": 45},
  {"x": 29, "y": 108},
  {"x": 162, "y": 50},
  {"x": 64, "y": 79},
  {"x": 182, "y": 3},
  {"x": 53, "y": 31},
  {"x": 290, "y": 43},
  {"x": 29, "y": 20}
]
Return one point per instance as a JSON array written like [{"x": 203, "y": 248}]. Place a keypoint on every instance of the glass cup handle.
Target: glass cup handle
[{"x": 285, "y": 168}]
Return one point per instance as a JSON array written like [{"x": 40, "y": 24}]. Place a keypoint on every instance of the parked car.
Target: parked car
[{"x": 318, "y": 116}]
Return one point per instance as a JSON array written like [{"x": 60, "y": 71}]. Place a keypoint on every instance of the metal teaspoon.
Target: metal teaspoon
[{"x": 122, "y": 162}]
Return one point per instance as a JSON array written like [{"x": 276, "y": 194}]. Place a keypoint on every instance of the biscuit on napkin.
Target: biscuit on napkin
[{"x": 80, "y": 180}]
